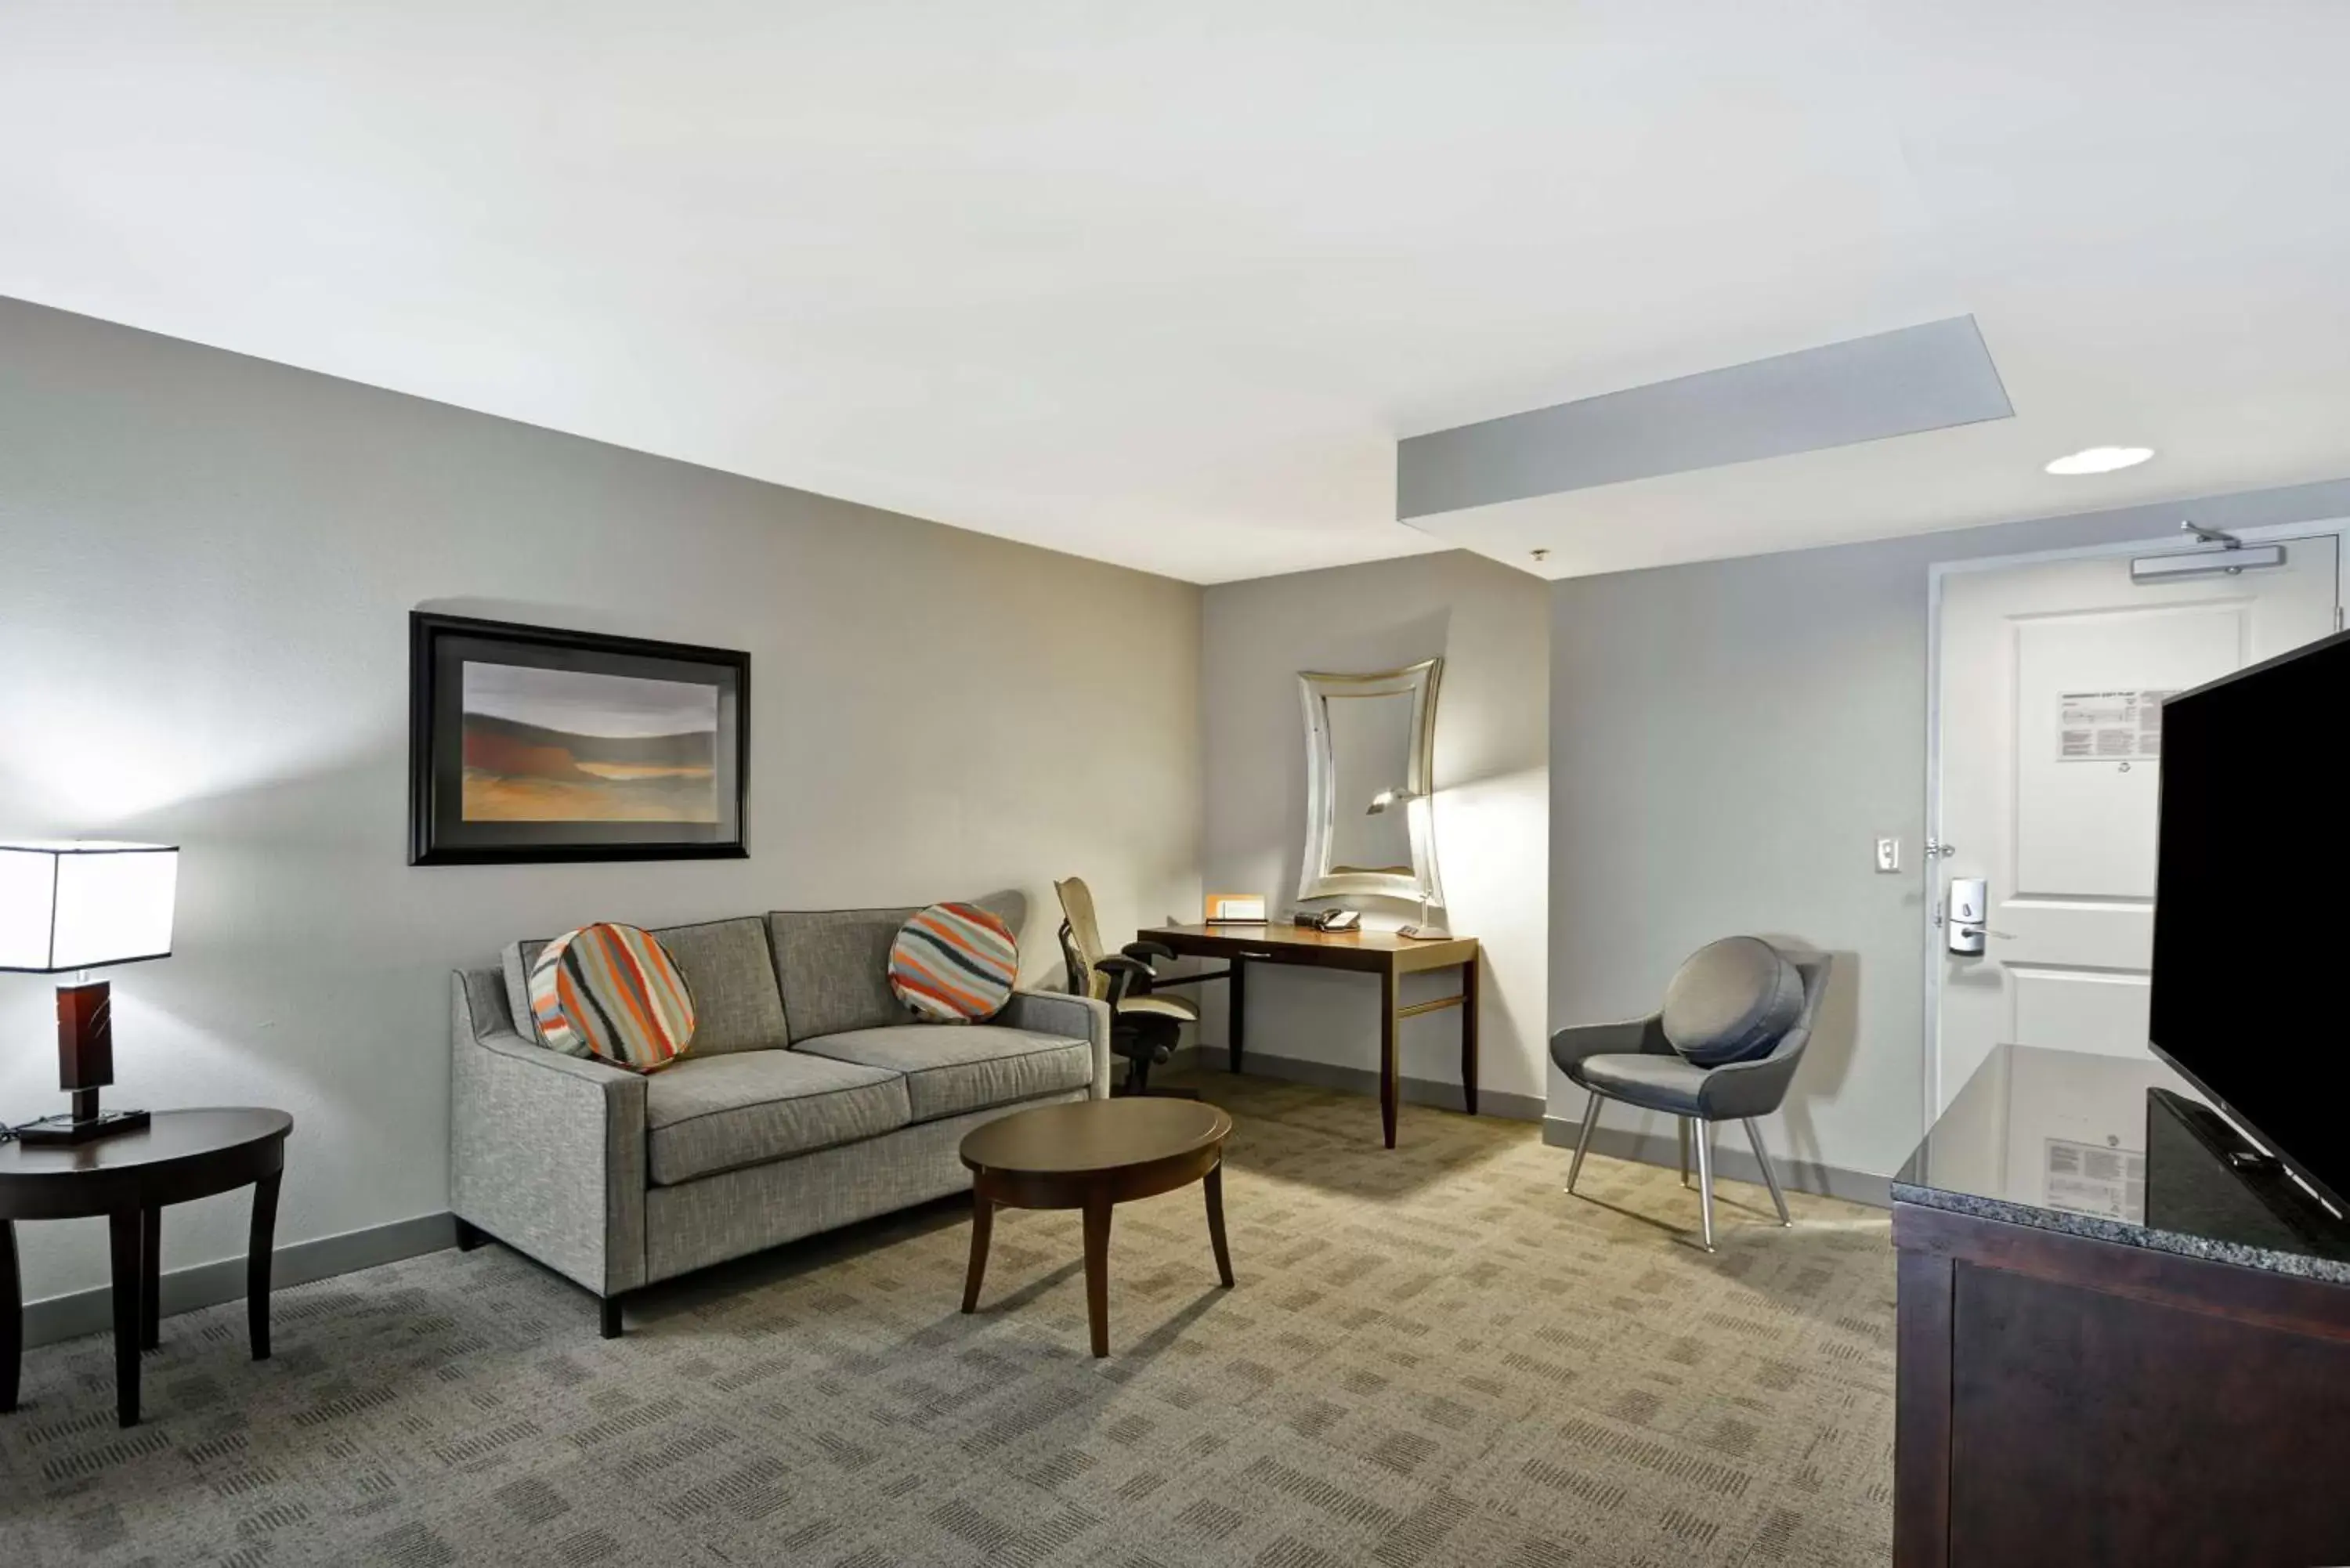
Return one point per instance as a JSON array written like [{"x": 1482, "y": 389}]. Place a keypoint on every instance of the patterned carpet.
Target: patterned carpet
[{"x": 1433, "y": 1358}]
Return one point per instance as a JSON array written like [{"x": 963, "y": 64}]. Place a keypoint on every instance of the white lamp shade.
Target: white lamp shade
[{"x": 85, "y": 904}]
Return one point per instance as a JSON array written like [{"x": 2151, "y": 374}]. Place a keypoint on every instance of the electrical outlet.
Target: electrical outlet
[{"x": 1889, "y": 855}]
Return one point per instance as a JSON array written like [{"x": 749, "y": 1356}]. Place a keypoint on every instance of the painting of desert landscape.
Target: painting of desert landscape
[{"x": 569, "y": 745}]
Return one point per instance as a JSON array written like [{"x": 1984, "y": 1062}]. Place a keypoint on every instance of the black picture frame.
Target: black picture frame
[{"x": 439, "y": 831}]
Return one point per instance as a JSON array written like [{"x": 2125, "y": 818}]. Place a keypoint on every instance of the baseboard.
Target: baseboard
[
  {"x": 209, "y": 1285},
  {"x": 1363, "y": 1081},
  {"x": 1731, "y": 1159}
]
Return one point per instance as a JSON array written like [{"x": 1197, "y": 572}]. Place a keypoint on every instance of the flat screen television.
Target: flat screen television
[{"x": 2252, "y": 910}]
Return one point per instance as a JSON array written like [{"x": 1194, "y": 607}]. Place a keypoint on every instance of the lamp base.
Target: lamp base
[
  {"x": 59, "y": 1131},
  {"x": 1424, "y": 933}
]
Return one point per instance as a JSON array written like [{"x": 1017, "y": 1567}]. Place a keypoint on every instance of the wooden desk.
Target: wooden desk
[{"x": 1382, "y": 953}]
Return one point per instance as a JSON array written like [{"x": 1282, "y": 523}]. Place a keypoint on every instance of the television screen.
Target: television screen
[{"x": 2252, "y": 977}]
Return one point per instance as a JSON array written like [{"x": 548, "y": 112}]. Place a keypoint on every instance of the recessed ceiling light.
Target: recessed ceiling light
[{"x": 2100, "y": 460}]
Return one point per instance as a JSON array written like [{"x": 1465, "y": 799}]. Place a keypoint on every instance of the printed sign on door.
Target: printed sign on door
[{"x": 2109, "y": 726}]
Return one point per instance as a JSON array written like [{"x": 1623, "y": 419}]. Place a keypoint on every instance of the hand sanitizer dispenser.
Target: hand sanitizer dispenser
[{"x": 1969, "y": 906}]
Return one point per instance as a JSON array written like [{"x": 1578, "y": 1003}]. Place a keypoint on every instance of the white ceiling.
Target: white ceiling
[{"x": 1164, "y": 283}]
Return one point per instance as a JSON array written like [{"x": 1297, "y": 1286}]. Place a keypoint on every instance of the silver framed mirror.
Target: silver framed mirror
[{"x": 1370, "y": 767}]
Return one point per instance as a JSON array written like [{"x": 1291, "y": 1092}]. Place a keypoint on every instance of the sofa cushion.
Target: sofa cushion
[
  {"x": 726, "y": 965},
  {"x": 952, "y": 1068},
  {"x": 705, "y": 1115},
  {"x": 834, "y": 967}
]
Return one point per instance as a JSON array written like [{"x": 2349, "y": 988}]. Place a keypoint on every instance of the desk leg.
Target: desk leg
[
  {"x": 1391, "y": 998},
  {"x": 1471, "y": 973},
  {"x": 150, "y": 1277},
  {"x": 124, "y": 1227},
  {"x": 12, "y": 1316},
  {"x": 257, "y": 1259},
  {"x": 1236, "y": 1023}
]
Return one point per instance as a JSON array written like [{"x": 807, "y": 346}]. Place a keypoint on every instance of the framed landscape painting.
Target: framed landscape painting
[{"x": 526, "y": 743}]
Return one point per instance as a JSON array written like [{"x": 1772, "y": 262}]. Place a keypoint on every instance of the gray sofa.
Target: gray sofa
[{"x": 811, "y": 1098}]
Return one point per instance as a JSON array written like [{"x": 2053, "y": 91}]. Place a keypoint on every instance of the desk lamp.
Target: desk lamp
[
  {"x": 70, "y": 908},
  {"x": 1424, "y": 931}
]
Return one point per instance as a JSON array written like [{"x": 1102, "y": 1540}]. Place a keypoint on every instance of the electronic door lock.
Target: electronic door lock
[{"x": 1969, "y": 916}]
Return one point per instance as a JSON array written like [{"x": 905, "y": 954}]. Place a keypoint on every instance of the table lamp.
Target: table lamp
[
  {"x": 70, "y": 908},
  {"x": 1424, "y": 931}
]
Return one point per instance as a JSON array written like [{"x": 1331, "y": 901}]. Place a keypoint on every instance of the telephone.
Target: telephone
[{"x": 1330, "y": 919}]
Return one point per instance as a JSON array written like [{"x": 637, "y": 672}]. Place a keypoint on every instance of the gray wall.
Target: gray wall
[
  {"x": 1728, "y": 739},
  {"x": 1489, "y": 623},
  {"x": 206, "y": 566}
]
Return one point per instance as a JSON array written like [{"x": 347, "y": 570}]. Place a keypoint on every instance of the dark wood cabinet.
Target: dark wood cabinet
[{"x": 2064, "y": 1400}]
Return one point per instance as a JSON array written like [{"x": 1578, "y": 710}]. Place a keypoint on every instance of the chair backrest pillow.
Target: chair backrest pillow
[
  {"x": 1731, "y": 1001},
  {"x": 954, "y": 963},
  {"x": 612, "y": 992}
]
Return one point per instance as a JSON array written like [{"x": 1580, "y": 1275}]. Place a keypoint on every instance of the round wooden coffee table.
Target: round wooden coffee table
[{"x": 1089, "y": 1155}]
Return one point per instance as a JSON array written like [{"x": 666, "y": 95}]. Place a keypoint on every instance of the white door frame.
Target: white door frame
[{"x": 2336, "y": 528}]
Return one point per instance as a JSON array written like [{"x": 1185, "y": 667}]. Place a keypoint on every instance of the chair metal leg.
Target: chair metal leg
[
  {"x": 1582, "y": 1138},
  {"x": 1770, "y": 1177},
  {"x": 1705, "y": 1182},
  {"x": 1681, "y": 1125}
]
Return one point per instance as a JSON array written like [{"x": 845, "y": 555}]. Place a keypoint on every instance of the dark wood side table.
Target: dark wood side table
[
  {"x": 1090, "y": 1156},
  {"x": 130, "y": 1179},
  {"x": 1383, "y": 953}
]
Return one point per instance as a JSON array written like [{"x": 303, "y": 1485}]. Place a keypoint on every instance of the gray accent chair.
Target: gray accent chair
[
  {"x": 1724, "y": 1047},
  {"x": 811, "y": 1098}
]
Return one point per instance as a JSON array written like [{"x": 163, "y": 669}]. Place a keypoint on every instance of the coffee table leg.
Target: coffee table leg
[
  {"x": 151, "y": 1278},
  {"x": 12, "y": 1316},
  {"x": 257, "y": 1259},
  {"x": 123, "y": 1227},
  {"x": 1098, "y": 1206},
  {"x": 1214, "y": 1183},
  {"x": 983, "y": 1226}
]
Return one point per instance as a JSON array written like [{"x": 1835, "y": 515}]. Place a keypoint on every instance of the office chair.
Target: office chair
[
  {"x": 1144, "y": 1022},
  {"x": 1724, "y": 1047}
]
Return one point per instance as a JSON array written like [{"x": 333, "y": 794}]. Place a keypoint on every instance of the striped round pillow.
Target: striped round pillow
[
  {"x": 612, "y": 992},
  {"x": 954, "y": 963}
]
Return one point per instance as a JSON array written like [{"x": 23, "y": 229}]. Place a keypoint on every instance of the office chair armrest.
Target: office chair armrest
[
  {"x": 1124, "y": 974},
  {"x": 1147, "y": 952},
  {"x": 1632, "y": 1037}
]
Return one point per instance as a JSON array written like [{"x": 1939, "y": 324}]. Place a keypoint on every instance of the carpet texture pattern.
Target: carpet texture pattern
[{"x": 1434, "y": 1357}]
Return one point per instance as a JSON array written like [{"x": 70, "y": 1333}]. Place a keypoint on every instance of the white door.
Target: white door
[{"x": 2050, "y": 680}]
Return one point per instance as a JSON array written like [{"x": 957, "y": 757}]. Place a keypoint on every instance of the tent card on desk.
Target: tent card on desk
[{"x": 1235, "y": 909}]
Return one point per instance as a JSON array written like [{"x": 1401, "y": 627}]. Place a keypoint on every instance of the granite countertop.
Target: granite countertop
[{"x": 2070, "y": 1141}]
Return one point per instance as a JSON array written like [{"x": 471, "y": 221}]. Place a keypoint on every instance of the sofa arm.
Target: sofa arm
[
  {"x": 1059, "y": 1013},
  {"x": 546, "y": 1152},
  {"x": 1632, "y": 1037}
]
